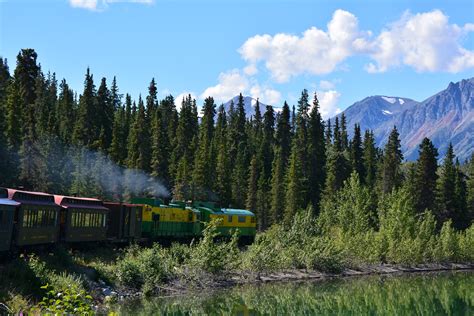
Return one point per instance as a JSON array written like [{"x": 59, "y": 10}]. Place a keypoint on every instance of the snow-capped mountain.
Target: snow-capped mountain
[{"x": 446, "y": 117}]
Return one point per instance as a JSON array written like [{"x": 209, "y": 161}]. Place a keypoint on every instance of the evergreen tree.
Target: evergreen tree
[
  {"x": 470, "y": 188},
  {"x": 316, "y": 155},
  {"x": 251, "y": 203},
  {"x": 65, "y": 112},
  {"x": 369, "y": 159},
  {"x": 152, "y": 100},
  {"x": 357, "y": 154},
  {"x": 297, "y": 193},
  {"x": 337, "y": 167},
  {"x": 163, "y": 131},
  {"x": 426, "y": 176},
  {"x": 185, "y": 143},
  {"x": 239, "y": 149},
  {"x": 104, "y": 116},
  {"x": 280, "y": 162},
  {"x": 392, "y": 159},
  {"x": 4, "y": 81},
  {"x": 264, "y": 160},
  {"x": 118, "y": 145},
  {"x": 446, "y": 186},
  {"x": 138, "y": 143},
  {"x": 461, "y": 216},
  {"x": 328, "y": 134},
  {"x": 86, "y": 130},
  {"x": 5, "y": 168},
  {"x": 222, "y": 184},
  {"x": 344, "y": 135},
  {"x": 205, "y": 164},
  {"x": 25, "y": 75}
]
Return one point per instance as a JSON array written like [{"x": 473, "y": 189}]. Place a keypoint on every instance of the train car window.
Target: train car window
[
  {"x": 252, "y": 219},
  {"x": 3, "y": 218},
  {"x": 241, "y": 219},
  {"x": 229, "y": 218}
]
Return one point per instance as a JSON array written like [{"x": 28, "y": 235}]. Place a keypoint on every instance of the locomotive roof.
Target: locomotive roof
[
  {"x": 232, "y": 211},
  {"x": 74, "y": 201},
  {"x": 30, "y": 197}
]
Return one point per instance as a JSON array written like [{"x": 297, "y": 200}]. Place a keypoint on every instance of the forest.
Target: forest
[{"x": 101, "y": 143}]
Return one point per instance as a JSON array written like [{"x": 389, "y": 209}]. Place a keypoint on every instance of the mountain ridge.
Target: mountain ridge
[{"x": 447, "y": 116}]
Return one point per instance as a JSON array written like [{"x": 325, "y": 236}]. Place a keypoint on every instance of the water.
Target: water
[{"x": 420, "y": 294}]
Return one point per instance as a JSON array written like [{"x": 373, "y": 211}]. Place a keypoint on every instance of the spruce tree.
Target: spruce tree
[
  {"x": 370, "y": 159},
  {"x": 297, "y": 192},
  {"x": 357, "y": 154},
  {"x": 316, "y": 155},
  {"x": 65, "y": 112},
  {"x": 328, "y": 134},
  {"x": 118, "y": 145},
  {"x": 86, "y": 130},
  {"x": 392, "y": 158},
  {"x": 264, "y": 159},
  {"x": 104, "y": 116},
  {"x": 222, "y": 185},
  {"x": 426, "y": 176},
  {"x": 138, "y": 143},
  {"x": 461, "y": 218},
  {"x": 187, "y": 129},
  {"x": 251, "y": 203},
  {"x": 205, "y": 160},
  {"x": 5, "y": 169},
  {"x": 239, "y": 149},
  {"x": 446, "y": 186},
  {"x": 280, "y": 162},
  {"x": 344, "y": 135},
  {"x": 470, "y": 188}
]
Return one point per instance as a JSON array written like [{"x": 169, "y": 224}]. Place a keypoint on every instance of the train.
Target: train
[{"x": 36, "y": 218}]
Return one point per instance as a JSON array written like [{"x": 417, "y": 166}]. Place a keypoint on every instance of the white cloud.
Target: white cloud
[
  {"x": 99, "y": 5},
  {"x": 426, "y": 42},
  {"x": 328, "y": 103},
  {"x": 178, "y": 100},
  {"x": 315, "y": 52},
  {"x": 326, "y": 85},
  {"x": 231, "y": 83},
  {"x": 251, "y": 70},
  {"x": 266, "y": 95}
]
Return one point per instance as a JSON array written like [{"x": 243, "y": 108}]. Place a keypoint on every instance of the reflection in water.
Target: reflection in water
[{"x": 426, "y": 294}]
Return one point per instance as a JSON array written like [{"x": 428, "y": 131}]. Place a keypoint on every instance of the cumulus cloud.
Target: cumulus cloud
[
  {"x": 315, "y": 52},
  {"x": 231, "y": 83},
  {"x": 426, "y": 42},
  {"x": 328, "y": 103},
  {"x": 266, "y": 95},
  {"x": 99, "y": 5},
  {"x": 326, "y": 85}
]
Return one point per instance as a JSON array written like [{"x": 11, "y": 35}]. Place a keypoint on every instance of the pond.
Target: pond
[{"x": 447, "y": 293}]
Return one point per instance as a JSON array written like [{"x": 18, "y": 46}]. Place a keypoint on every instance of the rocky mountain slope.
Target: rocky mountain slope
[{"x": 447, "y": 116}]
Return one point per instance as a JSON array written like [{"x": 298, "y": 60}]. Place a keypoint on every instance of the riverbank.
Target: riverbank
[
  {"x": 93, "y": 270},
  {"x": 95, "y": 276}
]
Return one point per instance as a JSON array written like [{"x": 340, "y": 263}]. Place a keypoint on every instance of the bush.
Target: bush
[{"x": 68, "y": 301}]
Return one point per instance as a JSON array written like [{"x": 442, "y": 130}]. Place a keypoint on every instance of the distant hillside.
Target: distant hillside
[{"x": 447, "y": 116}]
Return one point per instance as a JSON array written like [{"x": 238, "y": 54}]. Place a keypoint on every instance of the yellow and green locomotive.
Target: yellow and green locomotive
[
  {"x": 180, "y": 219},
  {"x": 35, "y": 218}
]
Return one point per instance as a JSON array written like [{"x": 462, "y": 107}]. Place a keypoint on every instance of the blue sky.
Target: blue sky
[{"x": 344, "y": 50}]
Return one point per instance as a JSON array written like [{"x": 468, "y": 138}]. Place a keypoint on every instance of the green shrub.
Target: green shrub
[{"x": 68, "y": 301}]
